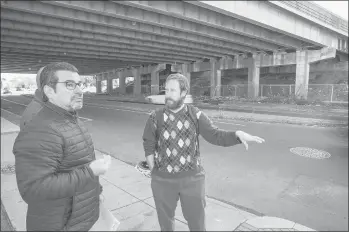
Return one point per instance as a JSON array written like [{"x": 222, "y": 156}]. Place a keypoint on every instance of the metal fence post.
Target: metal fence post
[{"x": 331, "y": 93}]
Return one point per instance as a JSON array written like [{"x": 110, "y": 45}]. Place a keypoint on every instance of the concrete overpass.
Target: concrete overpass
[{"x": 116, "y": 39}]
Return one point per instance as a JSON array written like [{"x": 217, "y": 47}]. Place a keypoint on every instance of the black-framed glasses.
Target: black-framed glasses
[{"x": 71, "y": 85}]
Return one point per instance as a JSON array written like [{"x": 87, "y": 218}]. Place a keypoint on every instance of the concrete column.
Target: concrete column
[
  {"x": 98, "y": 87},
  {"x": 98, "y": 84},
  {"x": 188, "y": 76},
  {"x": 213, "y": 77},
  {"x": 122, "y": 85},
  {"x": 185, "y": 72},
  {"x": 345, "y": 45},
  {"x": 136, "y": 73},
  {"x": 218, "y": 83},
  {"x": 154, "y": 82},
  {"x": 302, "y": 74},
  {"x": 110, "y": 84},
  {"x": 253, "y": 77}
]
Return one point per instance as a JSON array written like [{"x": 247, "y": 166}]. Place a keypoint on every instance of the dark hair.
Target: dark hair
[
  {"x": 48, "y": 75},
  {"x": 182, "y": 80}
]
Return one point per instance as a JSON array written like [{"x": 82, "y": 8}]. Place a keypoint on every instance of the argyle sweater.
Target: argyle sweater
[{"x": 176, "y": 152}]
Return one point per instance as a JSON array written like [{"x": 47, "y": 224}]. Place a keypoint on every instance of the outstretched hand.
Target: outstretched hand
[{"x": 245, "y": 137}]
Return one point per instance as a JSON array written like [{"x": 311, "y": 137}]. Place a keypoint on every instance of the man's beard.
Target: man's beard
[
  {"x": 76, "y": 102},
  {"x": 172, "y": 104}
]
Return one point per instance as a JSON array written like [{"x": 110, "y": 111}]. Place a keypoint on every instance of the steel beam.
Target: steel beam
[
  {"x": 315, "y": 13},
  {"x": 31, "y": 64},
  {"x": 278, "y": 18},
  {"x": 81, "y": 67},
  {"x": 264, "y": 60},
  {"x": 88, "y": 47},
  {"x": 185, "y": 12},
  {"x": 116, "y": 12},
  {"x": 103, "y": 40},
  {"x": 85, "y": 72},
  {"x": 77, "y": 55},
  {"x": 91, "y": 51},
  {"x": 38, "y": 11},
  {"x": 11, "y": 21},
  {"x": 6, "y": 52},
  {"x": 40, "y": 58}
]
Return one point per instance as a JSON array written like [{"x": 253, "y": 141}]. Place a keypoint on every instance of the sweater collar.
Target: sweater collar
[{"x": 183, "y": 110}]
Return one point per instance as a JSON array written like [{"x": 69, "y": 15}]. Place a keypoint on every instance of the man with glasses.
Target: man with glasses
[{"x": 56, "y": 169}]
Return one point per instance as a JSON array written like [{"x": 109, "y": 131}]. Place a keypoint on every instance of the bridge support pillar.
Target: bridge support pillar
[
  {"x": 122, "y": 85},
  {"x": 302, "y": 74},
  {"x": 253, "y": 76},
  {"x": 187, "y": 74},
  {"x": 110, "y": 85},
  {"x": 136, "y": 72},
  {"x": 98, "y": 84},
  {"x": 155, "y": 77},
  {"x": 154, "y": 82},
  {"x": 215, "y": 78},
  {"x": 218, "y": 82},
  {"x": 185, "y": 71}
]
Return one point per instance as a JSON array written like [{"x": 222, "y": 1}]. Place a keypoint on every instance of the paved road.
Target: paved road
[{"x": 268, "y": 178}]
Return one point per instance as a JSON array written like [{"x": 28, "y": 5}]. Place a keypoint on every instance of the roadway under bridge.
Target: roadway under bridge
[{"x": 145, "y": 39}]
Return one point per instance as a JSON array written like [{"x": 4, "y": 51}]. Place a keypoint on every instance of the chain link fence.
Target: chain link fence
[
  {"x": 328, "y": 93},
  {"x": 316, "y": 92},
  {"x": 146, "y": 89}
]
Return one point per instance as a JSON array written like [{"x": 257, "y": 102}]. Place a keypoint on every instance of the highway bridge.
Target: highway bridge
[{"x": 118, "y": 39}]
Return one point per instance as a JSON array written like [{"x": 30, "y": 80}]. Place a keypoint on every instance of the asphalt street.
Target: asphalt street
[{"x": 267, "y": 178}]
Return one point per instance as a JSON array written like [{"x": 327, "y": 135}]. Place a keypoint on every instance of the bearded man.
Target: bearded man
[{"x": 171, "y": 146}]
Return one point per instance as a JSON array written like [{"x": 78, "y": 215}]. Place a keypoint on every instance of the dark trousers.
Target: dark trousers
[{"x": 190, "y": 190}]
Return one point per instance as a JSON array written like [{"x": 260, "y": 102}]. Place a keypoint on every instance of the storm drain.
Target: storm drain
[{"x": 310, "y": 152}]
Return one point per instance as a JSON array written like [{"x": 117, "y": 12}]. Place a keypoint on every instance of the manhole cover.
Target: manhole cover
[{"x": 310, "y": 152}]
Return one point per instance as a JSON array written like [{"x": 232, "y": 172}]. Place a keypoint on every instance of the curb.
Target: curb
[
  {"x": 288, "y": 114},
  {"x": 267, "y": 223}
]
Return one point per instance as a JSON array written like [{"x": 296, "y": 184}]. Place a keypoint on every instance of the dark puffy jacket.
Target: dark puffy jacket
[
  {"x": 32, "y": 109},
  {"x": 52, "y": 154}
]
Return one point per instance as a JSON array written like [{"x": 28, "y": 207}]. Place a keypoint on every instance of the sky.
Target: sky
[{"x": 340, "y": 8}]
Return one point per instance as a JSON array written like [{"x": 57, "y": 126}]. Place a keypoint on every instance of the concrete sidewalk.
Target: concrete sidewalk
[{"x": 128, "y": 196}]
